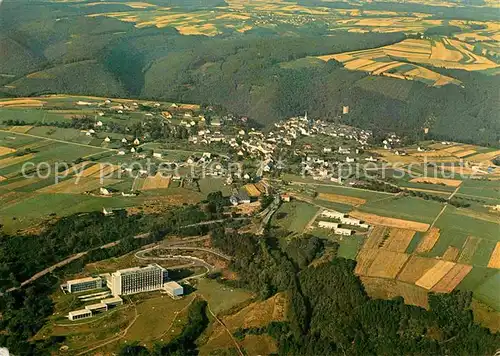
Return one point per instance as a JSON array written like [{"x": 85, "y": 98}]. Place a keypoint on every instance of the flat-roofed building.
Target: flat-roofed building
[
  {"x": 79, "y": 314},
  {"x": 112, "y": 302},
  {"x": 344, "y": 232},
  {"x": 173, "y": 289},
  {"x": 332, "y": 214},
  {"x": 328, "y": 225},
  {"x": 137, "y": 280},
  {"x": 96, "y": 308},
  {"x": 84, "y": 284}
]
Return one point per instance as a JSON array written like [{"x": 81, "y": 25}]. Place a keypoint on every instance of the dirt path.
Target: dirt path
[
  {"x": 227, "y": 330},
  {"x": 121, "y": 335}
]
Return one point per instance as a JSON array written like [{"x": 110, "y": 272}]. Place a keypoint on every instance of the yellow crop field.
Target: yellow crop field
[
  {"x": 156, "y": 182},
  {"x": 6, "y": 162},
  {"x": 428, "y": 241},
  {"x": 74, "y": 169},
  {"x": 445, "y": 53},
  {"x": 357, "y": 63},
  {"x": 252, "y": 190},
  {"x": 336, "y": 198},
  {"x": 387, "y": 289},
  {"x": 434, "y": 275},
  {"x": 448, "y": 182},
  {"x": 390, "y": 222},
  {"x": 364, "y": 260},
  {"x": 387, "y": 264},
  {"x": 481, "y": 157},
  {"x": 495, "y": 257},
  {"x": 77, "y": 185},
  {"x": 398, "y": 240},
  {"x": 98, "y": 170},
  {"x": 465, "y": 153},
  {"x": 21, "y": 102},
  {"x": 451, "y": 254},
  {"x": 415, "y": 268},
  {"x": 6, "y": 150},
  {"x": 376, "y": 237},
  {"x": 440, "y": 52},
  {"x": 452, "y": 279}
]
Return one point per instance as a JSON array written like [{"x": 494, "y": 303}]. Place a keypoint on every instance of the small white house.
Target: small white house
[
  {"x": 107, "y": 139},
  {"x": 157, "y": 155},
  {"x": 98, "y": 124},
  {"x": 124, "y": 140},
  {"x": 104, "y": 191},
  {"x": 137, "y": 142},
  {"x": 121, "y": 153}
]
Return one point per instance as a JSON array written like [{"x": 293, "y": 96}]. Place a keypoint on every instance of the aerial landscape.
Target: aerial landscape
[{"x": 230, "y": 177}]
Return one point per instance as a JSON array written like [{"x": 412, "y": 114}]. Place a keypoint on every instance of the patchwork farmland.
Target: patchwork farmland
[{"x": 401, "y": 60}]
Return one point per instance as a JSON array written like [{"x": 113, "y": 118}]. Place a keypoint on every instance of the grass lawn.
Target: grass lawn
[
  {"x": 27, "y": 212},
  {"x": 296, "y": 215},
  {"x": 221, "y": 297},
  {"x": 488, "y": 292},
  {"x": 12, "y": 140},
  {"x": 481, "y": 189},
  {"x": 352, "y": 192},
  {"x": 208, "y": 185},
  {"x": 405, "y": 208}
]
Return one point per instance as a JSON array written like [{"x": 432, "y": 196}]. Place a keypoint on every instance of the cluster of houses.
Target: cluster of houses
[{"x": 341, "y": 219}]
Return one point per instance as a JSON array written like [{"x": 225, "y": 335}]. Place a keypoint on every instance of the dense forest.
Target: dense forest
[
  {"x": 330, "y": 312},
  {"x": 255, "y": 74}
]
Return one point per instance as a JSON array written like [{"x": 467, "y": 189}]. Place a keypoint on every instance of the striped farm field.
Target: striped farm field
[
  {"x": 451, "y": 254},
  {"x": 434, "y": 275},
  {"x": 376, "y": 237},
  {"x": 442, "y": 53},
  {"x": 156, "y": 182},
  {"x": 98, "y": 170},
  {"x": 480, "y": 157},
  {"x": 466, "y": 153},
  {"x": 452, "y": 279},
  {"x": 390, "y": 222},
  {"x": 469, "y": 249},
  {"x": 252, "y": 190},
  {"x": 387, "y": 264},
  {"x": 388, "y": 289},
  {"x": 495, "y": 257},
  {"x": 20, "y": 129},
  {"x": 9, "y": 161},
  {"x": 337, "y": 198},
  {"x": 449, "y": 182},
  {"x": 428, "y": 241},
  {"x": 77, "y": 185},
  {"x": 364, "y": 260},
  {"x": 6, "y": 150},
  {"x": 398, "y": 240},
  {"x": 415, "y": 268}
]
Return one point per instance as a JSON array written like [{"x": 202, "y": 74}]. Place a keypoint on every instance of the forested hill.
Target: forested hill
[{"x": 265, "y": 73}]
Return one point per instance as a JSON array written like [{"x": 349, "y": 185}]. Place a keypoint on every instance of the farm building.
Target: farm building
[
  {"x": 328, "y": 225},
  {"x": 332, "y": 214},
  {"x": 344, "y": 232}
]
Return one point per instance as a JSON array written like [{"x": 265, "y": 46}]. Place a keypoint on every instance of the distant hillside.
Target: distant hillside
[{"x": 255, "y": 59}]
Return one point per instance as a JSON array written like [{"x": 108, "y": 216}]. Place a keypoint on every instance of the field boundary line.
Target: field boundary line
[{"x": 61, "y": 141}]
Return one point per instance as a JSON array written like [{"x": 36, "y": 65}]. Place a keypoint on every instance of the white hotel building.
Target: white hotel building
[{"x": 137, "y": 280}]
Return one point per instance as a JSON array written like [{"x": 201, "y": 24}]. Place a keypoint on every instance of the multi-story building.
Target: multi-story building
[
  {"x": 137, "y": 280},
  {"x": 85, "y": 284}
]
